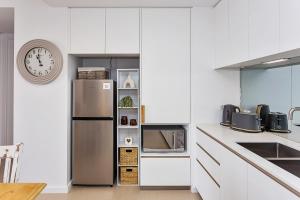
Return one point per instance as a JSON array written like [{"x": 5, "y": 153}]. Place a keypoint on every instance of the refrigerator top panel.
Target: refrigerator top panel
[{"x": 93, "y": 98}]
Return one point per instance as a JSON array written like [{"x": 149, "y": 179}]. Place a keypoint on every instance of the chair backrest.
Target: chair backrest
[{"x": 9, "y": 161}]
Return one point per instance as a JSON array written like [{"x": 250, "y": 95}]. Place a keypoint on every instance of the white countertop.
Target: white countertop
[{"x": 229, "y": 138}]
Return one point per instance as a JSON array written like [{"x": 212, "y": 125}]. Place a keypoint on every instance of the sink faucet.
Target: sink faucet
[{"x": 291, "y": 112}]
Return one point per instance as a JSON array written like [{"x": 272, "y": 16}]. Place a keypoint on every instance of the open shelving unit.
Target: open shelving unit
[{"x": 133, "y": 112}]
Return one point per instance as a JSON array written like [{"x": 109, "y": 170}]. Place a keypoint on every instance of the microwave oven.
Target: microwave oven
[{"x": 166, "y": 138}]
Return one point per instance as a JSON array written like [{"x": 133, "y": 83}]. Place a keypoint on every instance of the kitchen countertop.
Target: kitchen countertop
[{"x": 229, "y": 138}]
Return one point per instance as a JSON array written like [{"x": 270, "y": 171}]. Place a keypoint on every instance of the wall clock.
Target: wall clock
[{"x": 39, "y": 61}]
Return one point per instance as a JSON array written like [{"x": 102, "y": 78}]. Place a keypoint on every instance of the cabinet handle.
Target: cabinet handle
[
  {"x": 142, "y": 114},
  {"x": 207, "y": 172}
]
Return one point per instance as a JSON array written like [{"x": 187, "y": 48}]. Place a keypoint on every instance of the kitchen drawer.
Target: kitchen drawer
[
  {"x": 205, "y": 185},
  {"x": 165, "y": 171},
  {"x": 209, "y": 162},
  {"x": 210, "y": 145}
]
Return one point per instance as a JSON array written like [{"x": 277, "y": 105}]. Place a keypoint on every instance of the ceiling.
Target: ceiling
[
  {"x": 6, "y": 20},
  {"x": 131, "y": 3}
]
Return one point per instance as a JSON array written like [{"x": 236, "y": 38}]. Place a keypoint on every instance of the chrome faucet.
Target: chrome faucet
[{"x": 291, "y": 112}]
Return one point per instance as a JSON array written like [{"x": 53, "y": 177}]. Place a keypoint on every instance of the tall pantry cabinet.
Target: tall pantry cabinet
[{"x": 165, "y": 63}]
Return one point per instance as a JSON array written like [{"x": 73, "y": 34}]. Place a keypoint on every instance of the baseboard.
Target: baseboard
[
  {"x": 58, "y": 189},
  {"x": 165, "y": 187},
  {"x": 193, "y": 189}
]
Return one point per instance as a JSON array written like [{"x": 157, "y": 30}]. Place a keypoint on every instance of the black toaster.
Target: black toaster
[
  {"x": 247, "y": 122},
  {"x": 277, "y": 122}
]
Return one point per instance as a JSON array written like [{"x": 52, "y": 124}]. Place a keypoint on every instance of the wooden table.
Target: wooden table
[{"x": 20, "y": 191}]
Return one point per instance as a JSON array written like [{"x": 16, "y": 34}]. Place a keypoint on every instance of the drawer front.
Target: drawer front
[
  {"x": 165, "y": 171},
  {"x": 209, "y": 162},
  {"x": 206, "y": 186},
  {"x": 210, "y": 145}
]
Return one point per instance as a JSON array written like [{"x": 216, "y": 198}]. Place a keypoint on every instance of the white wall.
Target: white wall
[
  {"x": 210, "y": 89},
  {"x": 6, "y": 87},
  {"x": 41, "y": 112}
]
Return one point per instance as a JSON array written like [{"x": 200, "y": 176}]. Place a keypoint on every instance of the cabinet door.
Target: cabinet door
[
  {"x": 222, "y": 34},
  {"x": 261, "y": 187},
  {"x": 238, "y": 31},
  {"x": 122, "y": 30},
  {"x": 289, "y": 24},
  {"x": 234, "y": 177},
  {"x": 171, "y": 171},
  {"x": 263, "y": 28},
  {"x": 87, "y": 30},
  {"x": 165, "y": 65}
]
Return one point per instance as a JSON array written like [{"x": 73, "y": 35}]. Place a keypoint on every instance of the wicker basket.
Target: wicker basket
[
  {"x": 92, "y": 75},
  {"x": 129, "y": 175},
  {"x": 128, "y": 156}
]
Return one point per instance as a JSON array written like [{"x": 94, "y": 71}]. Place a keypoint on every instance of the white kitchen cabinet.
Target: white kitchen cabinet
[
  {"x": 238, "y": 31},
  {"x": 87, "y": 30},
  {"x": 165, "y": 65},
  {"x": 234, "y": 177},
  {"x": 122, "y": 30},
  {"x": 165, "y": 171},
  {"x": 263, "y": 28},
  {"x": 222, "y": 42},
  {"x": 289, "y": 24},
  {"x": 261, "y": 187},
  {"x": 220, "y": 174},
  {"x": 205, "y": 185}
]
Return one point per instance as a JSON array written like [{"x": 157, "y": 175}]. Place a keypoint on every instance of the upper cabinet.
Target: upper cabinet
[
  {"x": 238, "y": 30},
  {"x": 87, "y": 30},
  {"x": 222, "y": 33},
  {"x": 253, "y": 30},
  {"x": 263, "y": 28},
  {"x": 104, "y": 31},
  {"x": 122, "y": 30},
  {"x": 165, "y": 65},
  {"x": 289, "y": 24}
]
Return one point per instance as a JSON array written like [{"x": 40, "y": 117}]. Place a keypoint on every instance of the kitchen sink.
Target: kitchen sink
[{"x": 281, "y": 155}]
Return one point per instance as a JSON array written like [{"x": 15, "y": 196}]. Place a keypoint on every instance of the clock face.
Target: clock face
[{"x": 39, "y": 61}]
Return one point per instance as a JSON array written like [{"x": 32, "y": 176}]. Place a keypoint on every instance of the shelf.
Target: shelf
[
  {"x": 120, "y": 126},
  {"x": 128, "y": 146},
  {"x": 128, "y": 107}
]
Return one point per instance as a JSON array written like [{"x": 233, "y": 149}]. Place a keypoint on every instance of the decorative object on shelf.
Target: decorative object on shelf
[
  {"x": 129, "y": 82},
  {"x": 126, "y": 102},
  {"x": 133, "y": 122},
  {"x": 128, "y": 140},
  {"x": 124, "y": 120},
  {"x": 39, "y": 61}
]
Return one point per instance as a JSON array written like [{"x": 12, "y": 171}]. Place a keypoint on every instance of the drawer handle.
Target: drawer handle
[
  {"x": 209, "y": 174},
  {"x": 128, "y": 150},
  {"x": 218, "y": 163},
  {"x": 128, "y": 170}
]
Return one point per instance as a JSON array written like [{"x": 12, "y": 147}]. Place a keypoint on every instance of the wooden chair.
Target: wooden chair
[{"x": 9, "y": 161}]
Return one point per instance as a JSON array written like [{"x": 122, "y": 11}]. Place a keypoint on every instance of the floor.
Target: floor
[{"x": 121, "y": 193}]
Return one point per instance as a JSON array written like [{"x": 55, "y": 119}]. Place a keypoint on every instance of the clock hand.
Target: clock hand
[{"x": 39, "y": 59}]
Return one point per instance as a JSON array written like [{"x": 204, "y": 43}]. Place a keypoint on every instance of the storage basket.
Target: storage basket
[
  {"x": 92, "y": 75},
  {"x": 128, "y": 156},
  {"x": 129, "y": 175}
]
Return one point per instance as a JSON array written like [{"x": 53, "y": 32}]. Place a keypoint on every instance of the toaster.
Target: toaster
[
  {"x": 277, "y": 122},
  {"x": 247, "y": 122}
]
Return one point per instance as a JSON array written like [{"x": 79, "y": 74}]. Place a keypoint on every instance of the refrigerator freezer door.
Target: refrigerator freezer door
[
  {"x": 93, "y": 98},
  {"x": 93, "y": 158}
]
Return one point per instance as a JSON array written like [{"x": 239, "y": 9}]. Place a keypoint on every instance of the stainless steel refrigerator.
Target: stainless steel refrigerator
[{"x": 93, "y": 132}]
